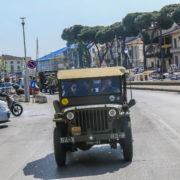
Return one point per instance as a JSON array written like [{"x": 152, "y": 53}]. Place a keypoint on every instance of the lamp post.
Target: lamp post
[{"x": 26, "y": 74}]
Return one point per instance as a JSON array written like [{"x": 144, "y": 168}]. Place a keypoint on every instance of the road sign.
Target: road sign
[
  {"x": 31, "y": 64},
  {"x": 33, "y": 84}
]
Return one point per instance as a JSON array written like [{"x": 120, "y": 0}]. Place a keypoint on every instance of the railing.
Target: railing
[{"x": 175, "y": 50}]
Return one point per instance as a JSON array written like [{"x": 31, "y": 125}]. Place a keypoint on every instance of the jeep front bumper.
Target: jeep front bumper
[{"x": 93, "y": 139}]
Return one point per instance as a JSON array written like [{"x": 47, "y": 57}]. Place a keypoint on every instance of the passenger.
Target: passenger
[
  {"x": 86, "y": 88},
  {"x": 73, "y": 90},
  {"x": 107, "y": 87}
]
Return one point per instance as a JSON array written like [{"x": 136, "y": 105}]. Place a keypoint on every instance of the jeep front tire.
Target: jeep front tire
[
  {"x": 59, "y": 149},
  {"x": 127, "y": 142}
]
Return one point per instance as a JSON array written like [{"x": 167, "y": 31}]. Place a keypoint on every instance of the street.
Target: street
[{"x": 26, "y": 145}]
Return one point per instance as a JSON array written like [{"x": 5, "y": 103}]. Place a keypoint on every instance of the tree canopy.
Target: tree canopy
[
  {"x": 132, "y": 24},
  {"x": 176, "y": 15}
]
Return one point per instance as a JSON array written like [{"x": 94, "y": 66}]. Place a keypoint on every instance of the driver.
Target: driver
[{"x": 107, "y": 87}]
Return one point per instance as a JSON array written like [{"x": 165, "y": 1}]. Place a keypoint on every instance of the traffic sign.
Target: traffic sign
[
  {"x": 33, "y": 84},
  {"x": 31, "y": 64}
]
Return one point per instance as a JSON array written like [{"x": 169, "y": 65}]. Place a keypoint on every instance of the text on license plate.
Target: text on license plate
[{"x": 67, "y": 140}]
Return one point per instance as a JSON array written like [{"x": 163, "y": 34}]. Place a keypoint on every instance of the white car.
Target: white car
[{"x": 4, "y": 112}]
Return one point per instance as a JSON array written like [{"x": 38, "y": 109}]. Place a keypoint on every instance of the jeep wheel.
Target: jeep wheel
[
  {"x": 59, "y": 149},
  {"x": 127, "y": 144}
]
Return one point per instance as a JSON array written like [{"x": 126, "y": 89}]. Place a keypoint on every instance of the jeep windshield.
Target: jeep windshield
[{"x": 96, "y": 86}]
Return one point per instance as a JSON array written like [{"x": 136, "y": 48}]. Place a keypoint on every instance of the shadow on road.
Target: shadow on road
[
  {"x": 97, "y": 161},
  {"x": 3, "y": 126}
]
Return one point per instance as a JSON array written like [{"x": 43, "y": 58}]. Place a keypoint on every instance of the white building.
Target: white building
[
  {"x": 175, "y": 50},
  {"x": 14, "y": 65},
  {"x": 135, "y": 52}
]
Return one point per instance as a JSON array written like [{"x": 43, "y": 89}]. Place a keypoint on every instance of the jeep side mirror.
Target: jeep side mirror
[{"x": 131, "y": 103}]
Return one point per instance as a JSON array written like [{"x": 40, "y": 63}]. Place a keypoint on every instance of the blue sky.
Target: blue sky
[{"x": 46, "y": 20}]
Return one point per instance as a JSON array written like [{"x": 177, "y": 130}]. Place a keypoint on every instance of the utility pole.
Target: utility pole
[
  {"x": 26, "y": 74},
  {"x": 37, "y": 54}
]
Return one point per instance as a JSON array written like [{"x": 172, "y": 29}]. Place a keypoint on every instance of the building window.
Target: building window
[
  {"x": 175, "y": 43},
  {"x": 169, "y": 60},
  {"x": 168, "y": 40},
  {"x": 18, "y": 62},
  {"x": 19, "y": 68},
  {"x": 12, "y": 69},
  {"x": 176, "y": 60},
  {"x": 152, "y": 64},
  {"x": 12, "y": 62},
  {"x": 137, "y": 52}
]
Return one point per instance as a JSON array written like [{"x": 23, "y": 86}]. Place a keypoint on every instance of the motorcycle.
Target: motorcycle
[
  {"x": 18, "y": 90},
  {"x": 13, "y": 106}
]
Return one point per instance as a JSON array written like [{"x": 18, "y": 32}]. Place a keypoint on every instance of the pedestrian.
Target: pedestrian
[
  {"x": 19, "y": 82},
  {"x": 50, "y": 84}
]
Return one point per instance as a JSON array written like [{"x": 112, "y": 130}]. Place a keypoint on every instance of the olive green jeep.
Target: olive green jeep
[{"x": 92, "y": 109}]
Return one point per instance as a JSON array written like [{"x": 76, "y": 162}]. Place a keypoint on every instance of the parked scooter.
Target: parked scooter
[
  {"x": 13, "y": 106},
  {"x": 18, "y": 90}
]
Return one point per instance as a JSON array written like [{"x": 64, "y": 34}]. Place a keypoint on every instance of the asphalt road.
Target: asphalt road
[{"x": 26, "y": 149}]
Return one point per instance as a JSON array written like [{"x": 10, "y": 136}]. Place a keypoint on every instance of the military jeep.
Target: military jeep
[{"x": 92, "y": 109}]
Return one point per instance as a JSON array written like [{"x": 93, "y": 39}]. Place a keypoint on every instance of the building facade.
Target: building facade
[
  {"x": 175, "y": 50},
  {"x": 14, "y": 65},
  {"x": 134, "y": 49},
  {"x": 61, "y": 59}
]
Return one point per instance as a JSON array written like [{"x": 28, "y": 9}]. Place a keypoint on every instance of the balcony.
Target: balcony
[{"x": 175, "y": 50}]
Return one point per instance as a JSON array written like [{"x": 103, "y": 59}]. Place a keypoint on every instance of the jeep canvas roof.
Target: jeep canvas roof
[{"x": 91, "y": 72}]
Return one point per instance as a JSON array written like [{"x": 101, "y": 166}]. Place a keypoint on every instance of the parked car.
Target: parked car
[
  {"x": 6, "y": 87},
  {"x": 175, "y": 77},
  {"x": 4, "y": 112}
]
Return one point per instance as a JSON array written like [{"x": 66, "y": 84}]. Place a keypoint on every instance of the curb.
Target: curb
[
  {"x": 161, "y": 83},
  {"x": 155, "y": 89}
]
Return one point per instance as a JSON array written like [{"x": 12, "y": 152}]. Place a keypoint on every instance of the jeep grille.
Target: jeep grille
[{"x": 92, "y": 120}]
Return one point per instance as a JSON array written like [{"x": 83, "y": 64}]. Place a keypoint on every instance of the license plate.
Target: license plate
[{"x": 66, "y": 140}]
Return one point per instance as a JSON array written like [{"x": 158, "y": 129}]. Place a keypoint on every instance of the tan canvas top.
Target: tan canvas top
[{"x": 91, "y": 72}]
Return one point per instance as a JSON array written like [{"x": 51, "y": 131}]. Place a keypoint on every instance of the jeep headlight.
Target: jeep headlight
[
  {"x": 112, "y": 112},
  {"x": 70, "y": 115}
]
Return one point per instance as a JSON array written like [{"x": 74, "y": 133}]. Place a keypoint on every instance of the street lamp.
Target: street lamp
[{"x": 26, "y": 77}]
